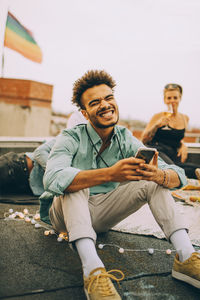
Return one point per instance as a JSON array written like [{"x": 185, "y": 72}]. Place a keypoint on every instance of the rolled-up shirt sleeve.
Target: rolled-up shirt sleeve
[{"x": 59, "y": 171}]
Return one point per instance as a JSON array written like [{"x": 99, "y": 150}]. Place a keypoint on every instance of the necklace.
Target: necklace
[{"x": 93, "y": 145}]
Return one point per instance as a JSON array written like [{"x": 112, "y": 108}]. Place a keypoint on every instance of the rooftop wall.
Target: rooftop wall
[{"x": 25, "y": 107}]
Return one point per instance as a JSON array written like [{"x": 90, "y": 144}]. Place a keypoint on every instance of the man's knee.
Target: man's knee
[{"x": 81, "y": 194}]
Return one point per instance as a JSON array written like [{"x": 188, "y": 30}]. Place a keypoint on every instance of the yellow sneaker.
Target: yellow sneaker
[
  {"x": 197, "y": 173},
  {"x": 100, "y": 286},
  {"x": 189, "y": 270}
]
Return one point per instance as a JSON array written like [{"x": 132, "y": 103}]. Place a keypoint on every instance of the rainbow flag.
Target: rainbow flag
[{"x": 20, "y": 39}]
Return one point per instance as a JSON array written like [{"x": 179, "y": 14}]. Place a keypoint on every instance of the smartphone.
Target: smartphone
[{"x": 146, "y": 154}]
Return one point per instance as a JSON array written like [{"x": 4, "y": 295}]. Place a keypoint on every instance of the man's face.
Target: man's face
[{"x": 100, "y": 106}]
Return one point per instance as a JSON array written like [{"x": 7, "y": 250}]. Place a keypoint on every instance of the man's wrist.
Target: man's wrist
[
  {"x": 166, "y": 178},
  {"x": 160, "y": 177}
]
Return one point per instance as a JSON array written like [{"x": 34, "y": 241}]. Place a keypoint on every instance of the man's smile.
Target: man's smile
[{"x": 106, "y": 113}]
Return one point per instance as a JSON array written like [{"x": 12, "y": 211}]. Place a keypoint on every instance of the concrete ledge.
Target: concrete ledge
[
  {"x": 193, "y": 147},
  {"x": 21, "y": 144}
]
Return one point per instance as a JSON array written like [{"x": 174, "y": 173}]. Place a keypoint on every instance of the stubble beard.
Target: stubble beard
[
  {"x": 97, "y": 124},
  {"x": 102, "y": 126}
]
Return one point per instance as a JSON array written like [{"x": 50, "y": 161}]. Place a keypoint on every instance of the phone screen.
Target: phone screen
[{"x": 146, "y": 154}]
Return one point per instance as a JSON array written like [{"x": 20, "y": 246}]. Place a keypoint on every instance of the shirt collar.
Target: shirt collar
[{"x": 94, "y": 135}]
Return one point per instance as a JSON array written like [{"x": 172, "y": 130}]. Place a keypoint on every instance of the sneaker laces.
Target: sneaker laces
[
  {"x": 196, "y": 257},
  {"x": 101, "y": 282}
]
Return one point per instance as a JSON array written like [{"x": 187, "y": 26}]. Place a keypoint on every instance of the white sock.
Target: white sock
[
  {"x": 181, "y": 242},
  {"x": 88, "y": 255}
]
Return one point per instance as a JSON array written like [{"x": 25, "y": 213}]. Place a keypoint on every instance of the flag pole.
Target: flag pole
[
  {"x": 3, "y": 57},
  {"x": 2, "y": 62}
]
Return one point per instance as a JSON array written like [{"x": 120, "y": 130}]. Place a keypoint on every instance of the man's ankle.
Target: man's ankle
[{"x": 184, "y": 254}]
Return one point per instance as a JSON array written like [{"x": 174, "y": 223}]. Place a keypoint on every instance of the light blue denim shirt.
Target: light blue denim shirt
[
  {"x": 74, "y": 151},
  {"x": 39, "y": 158}
]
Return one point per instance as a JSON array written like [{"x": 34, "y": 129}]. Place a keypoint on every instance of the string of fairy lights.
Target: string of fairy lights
[{"x": 34, "y": 219}]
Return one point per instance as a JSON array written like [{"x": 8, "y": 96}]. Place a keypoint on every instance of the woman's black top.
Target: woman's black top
[{"x": 169, "y": 136}]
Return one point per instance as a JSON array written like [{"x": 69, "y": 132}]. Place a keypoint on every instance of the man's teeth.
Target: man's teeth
[{"x": 106, "y": 114}]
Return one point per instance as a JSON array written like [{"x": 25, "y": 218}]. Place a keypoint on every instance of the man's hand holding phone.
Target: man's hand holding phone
[
  {"x": 136, "y": 168},
  {"x": 146, "y": 153},
  {"x": 149, "y": 169}
]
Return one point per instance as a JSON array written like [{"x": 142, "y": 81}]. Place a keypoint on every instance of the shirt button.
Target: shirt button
[
  {"x": 25, "y": 169},
  {"x": 95, "y": 153}
]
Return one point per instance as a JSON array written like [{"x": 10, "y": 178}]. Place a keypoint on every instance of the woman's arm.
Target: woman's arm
[
  {"x": 156, "y": 122},
  {"x": 183, "y": 150}
]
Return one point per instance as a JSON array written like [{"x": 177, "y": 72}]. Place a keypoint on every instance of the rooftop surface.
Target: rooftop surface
[{"x": 35, "y": 266}]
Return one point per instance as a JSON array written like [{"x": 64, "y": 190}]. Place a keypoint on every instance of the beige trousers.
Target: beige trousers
[{"x": 81, "y": 215}]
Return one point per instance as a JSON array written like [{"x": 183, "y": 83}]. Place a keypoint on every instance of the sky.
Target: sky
[{"x": 143, "y": 44}]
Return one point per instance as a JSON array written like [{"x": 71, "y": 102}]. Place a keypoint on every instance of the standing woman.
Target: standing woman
[{"x": 166, "y": 131}]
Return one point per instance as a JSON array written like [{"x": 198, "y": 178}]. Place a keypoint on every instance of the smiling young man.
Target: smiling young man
[{"x": 97, "y": 182}]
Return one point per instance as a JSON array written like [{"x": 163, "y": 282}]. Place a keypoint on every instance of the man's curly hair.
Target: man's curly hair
[{"x": 88, "y": 80}]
